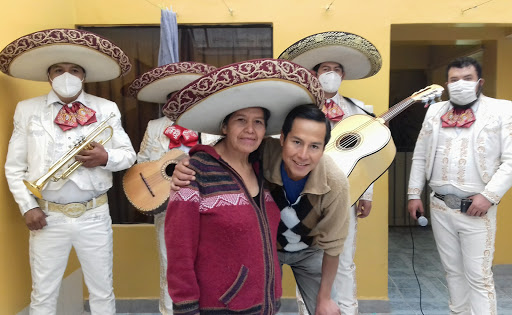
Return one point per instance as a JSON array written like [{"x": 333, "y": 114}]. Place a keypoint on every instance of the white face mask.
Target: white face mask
[
  {"x": 330, "y": 81},
  {"x": 66, "y": 85},
  {"x": 463, "y": 92}
]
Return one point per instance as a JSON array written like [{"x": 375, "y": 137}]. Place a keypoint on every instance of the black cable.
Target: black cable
[{"x": 414, "y": 269}]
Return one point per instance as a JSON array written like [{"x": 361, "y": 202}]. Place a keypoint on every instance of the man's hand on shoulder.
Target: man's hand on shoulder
[
  {"x": 326, "y": 307},
  {"x": 182, "y": 174},
  {"x": 35, "y": 219}
]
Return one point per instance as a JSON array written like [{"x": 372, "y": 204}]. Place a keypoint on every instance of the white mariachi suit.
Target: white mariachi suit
[
  {"x": 345, "y": 288},
  {"x": 154, "y": 145},
  {"x": 345, "y": 282},
  {"x": 465, "y": 162},
  {"x": 36, "y": 143}
]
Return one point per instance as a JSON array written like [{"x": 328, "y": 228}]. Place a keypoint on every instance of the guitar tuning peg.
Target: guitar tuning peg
[
  {"x": 424, "y": 100},
  {"x": 438, "y": 94}
]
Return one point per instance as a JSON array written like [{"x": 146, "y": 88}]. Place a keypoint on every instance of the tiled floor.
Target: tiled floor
[{"x": 404, "y": 293}]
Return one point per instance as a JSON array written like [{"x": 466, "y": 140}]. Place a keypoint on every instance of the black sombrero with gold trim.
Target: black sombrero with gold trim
[
  {"x": 359, "y": 58},
  {"x": 277, "y": 85},
  {"x": 30, "y": 56}
]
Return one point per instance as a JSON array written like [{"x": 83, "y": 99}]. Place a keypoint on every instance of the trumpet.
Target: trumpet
[{"x": 85, "y": 143}]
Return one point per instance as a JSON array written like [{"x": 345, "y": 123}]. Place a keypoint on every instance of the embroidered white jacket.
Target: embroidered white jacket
[
  {"x": 32, "y": 143},
  {"x": 154, "y": 144},
  {"x": 492, "y": 134}
]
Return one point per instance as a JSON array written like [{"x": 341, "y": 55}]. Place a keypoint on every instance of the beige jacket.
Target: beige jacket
[{"x": 327, "y": 191}]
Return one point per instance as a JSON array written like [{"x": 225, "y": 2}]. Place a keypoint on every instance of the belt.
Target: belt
[
  {"x": 74, "y": 209},
  {"x": 451, "y": 201}
]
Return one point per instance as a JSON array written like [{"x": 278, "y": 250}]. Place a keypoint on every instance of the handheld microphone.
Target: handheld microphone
[{"x": 422, "y": 221}]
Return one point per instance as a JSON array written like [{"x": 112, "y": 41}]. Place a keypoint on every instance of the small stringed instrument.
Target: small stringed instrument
[
  {"x": 147, "y": 184},
  {"x": 362, "y": 145}
]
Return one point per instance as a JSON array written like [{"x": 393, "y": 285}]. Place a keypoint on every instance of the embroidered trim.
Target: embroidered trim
[
  {"x": 461, "y": 174},
  {"x": 413, "y": 191},
  {"x": 239, "y": 73},
  {"x": 63, "y": 36},
  {"x": 336, "y": 39},
  {"x": 487, "y": 264},
  {"x": 166, "y": 71},
  {"x": 491, "y": 196},
  {"x": 445, "y": 162}
]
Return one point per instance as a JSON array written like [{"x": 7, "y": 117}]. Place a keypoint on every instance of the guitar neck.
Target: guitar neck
[{"x": 397, "y": 109}]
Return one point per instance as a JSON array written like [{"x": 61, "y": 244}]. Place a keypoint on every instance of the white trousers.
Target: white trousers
[
  {"x": 91, "y": 236},
  {"x": 345, "y": 281},
  {"x": 344, "y": 288},
  {"x": 466, "y": 248},
  {"x": 165, "y": 304}
]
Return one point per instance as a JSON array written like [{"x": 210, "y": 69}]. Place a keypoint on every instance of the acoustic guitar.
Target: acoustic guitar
[
  {"x": 362, "y": 145},
  {"x": 147, "y": 184}
]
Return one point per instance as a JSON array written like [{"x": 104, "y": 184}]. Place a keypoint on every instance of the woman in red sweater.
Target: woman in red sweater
[{"x": 222, "y": 227}]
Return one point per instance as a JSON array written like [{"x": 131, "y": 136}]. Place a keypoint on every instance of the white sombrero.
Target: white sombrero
[
  {"x": 359, "y": 58},
  {"x": 30, "y": 56},
  {"x": 155, "y": 84},
  {"x": 277, "y": 85}
]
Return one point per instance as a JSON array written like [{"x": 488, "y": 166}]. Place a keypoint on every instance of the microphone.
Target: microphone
[{"x": 422, "y": 221}]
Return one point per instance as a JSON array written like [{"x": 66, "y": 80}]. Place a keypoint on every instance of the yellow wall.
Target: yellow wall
[
  {"x": 503, "y": 253},
  {"x": 20, "y": 18},
  {"x": 292, "y": 20}
]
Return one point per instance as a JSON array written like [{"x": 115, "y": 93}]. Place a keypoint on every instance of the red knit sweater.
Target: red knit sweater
[{"x": 221, "y": 246}]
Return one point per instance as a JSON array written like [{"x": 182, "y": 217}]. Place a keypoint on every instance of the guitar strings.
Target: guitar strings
[{"x": 154, "y": 178}]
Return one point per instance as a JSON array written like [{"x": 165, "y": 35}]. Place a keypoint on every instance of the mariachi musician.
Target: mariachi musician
[
  {"x": 162, "y": 135},
  {"x": 72, "y": 212}
]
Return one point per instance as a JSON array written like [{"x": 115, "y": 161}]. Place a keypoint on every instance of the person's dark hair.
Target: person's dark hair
[
  {"x": 309, "y": 112},
  {"x": 48, "y": 70},
  {"x": 464, "y": 62},
  {"x": 266, "y": 117},
  {"x": 315, "y": 68}
]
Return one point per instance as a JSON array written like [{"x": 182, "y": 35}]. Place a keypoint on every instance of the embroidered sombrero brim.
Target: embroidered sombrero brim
[
  {"x": 359, "y": 58},
  {"x": 277, "y": 85},
  {"x": 30, "y": 56},
  {"x": 155, "y": 84}
]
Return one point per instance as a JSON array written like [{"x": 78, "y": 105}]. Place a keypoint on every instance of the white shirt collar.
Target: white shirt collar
[
  {"x": 474, "y": 107},
  {"x": 336, "y": 98},
  {"x": 53, "y": 98}
]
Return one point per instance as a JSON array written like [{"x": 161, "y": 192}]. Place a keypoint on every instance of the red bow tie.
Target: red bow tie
[
  {"x": 462, "y": 118},
  {"x": 332, "y": 110},
  {"x": 179, "y": 135},
  {"x": 69, "y": 117}
]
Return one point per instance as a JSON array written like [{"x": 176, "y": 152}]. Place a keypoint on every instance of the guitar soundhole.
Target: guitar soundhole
[
  {"x": 169, "y": 169},
  {"x": 348, "y": 141}
]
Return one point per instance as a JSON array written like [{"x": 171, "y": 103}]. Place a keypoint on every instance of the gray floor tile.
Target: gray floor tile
[{"x": 403, "y": 291}]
